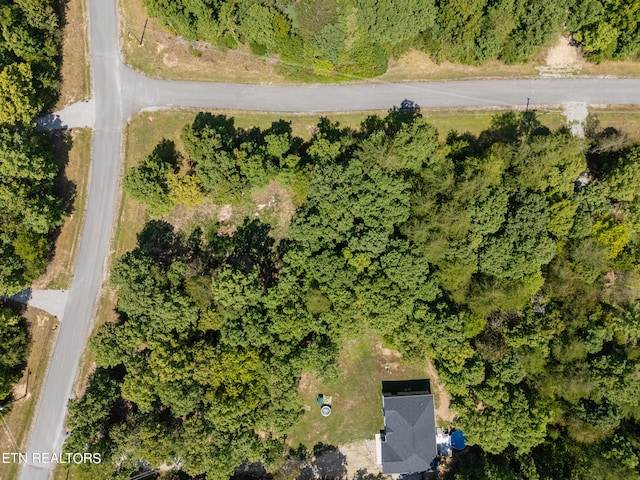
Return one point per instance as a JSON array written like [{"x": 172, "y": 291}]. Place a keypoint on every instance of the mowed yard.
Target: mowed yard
[{"x": 356, "y": 393}]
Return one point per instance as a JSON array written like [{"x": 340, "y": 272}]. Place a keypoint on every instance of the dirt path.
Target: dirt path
[
  {"x": 442, "y": 397},
  {"x": 562, "y": 58}
]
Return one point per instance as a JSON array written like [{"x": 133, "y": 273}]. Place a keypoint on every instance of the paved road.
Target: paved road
[
  {"x": 141, "y": 92},
  {"x": 120, "y": 92},
  {"x": 47, "y": 434}
]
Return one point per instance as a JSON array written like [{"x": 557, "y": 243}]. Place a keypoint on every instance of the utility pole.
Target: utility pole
[{"x": 144, "y": 29}]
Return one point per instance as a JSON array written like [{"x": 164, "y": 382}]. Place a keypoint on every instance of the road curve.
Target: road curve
[{"x": 120, "y": 92}]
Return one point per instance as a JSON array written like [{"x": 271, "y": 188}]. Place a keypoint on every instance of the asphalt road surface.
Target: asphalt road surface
[
  {"x": 120, "y": 92},
  {"x": 47, "y": 434}
]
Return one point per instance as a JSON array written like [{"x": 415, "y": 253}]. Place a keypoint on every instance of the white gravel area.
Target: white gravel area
[
  {"x": 77, "y": 115},
  {"x": 51, "y": 301},
  {"x": 576, "y": 114}
]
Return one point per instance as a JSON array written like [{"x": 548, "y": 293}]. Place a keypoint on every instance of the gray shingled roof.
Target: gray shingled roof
[{"x": 410, "y": 427}]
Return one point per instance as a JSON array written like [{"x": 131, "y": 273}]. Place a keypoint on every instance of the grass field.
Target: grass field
[
  {"x": 625, "y": 119},
  {"x": 18, "y": 417},
  {"x": 147, "y": 128}
]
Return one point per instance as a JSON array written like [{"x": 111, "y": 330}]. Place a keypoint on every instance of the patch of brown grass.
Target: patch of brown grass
[
  {"x": 417, "y": 66},
  {"x": 620, "y": 69},
  {"x": 74, "y": 155},
  {"x": 273, "y": 203},
  {"x": 16, "y": 424},
  {"x": 624, "y": 119},
  {"x": 75, "y": 69},
  {"x": 183, "y": 218}
]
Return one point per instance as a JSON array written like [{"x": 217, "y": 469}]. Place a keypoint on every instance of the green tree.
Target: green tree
[
  {"x": 210, "y": 143},
  {"x": 391, "y": 24},
  {"x": 13, "y": 350},
  {"x": 29, "y": 211},
  {"x": 257, "y": 25},
  {"x": 352, "y": 206},
  {"x": 18, "y": 97},
  {"x": 147, "y": 183},
  {"x": 185, "y": 190}
]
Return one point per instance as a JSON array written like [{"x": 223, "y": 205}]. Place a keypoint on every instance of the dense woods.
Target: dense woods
[
  {"x": 510, "y": 258},
  {"x": 358, "y": 36},
  {"x": 29, "y": 209}
]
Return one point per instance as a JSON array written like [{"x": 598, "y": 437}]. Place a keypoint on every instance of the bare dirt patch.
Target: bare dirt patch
[
  {"x": 170, "y": 60},
  {"x": 274, "y": 203},
  {"x": 225, "y": 213},
  {"x": 562, "y": 58},
  {"x": 360, "y": 457},
  {"x": 442, "y": 397},
  {"x": 182, "y": 218},
  {"x": 389, "y": 359}
]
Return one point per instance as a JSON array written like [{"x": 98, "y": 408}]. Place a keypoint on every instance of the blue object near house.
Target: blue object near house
[{"x": 458, "y": 440}]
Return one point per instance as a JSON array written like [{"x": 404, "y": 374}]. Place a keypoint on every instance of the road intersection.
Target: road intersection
[{"x": 120, "y": 92}]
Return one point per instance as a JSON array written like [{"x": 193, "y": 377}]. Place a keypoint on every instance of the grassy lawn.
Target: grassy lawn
[
  {"x": 16, "y": 423},
  {"x": 356, "y": 394},
  {"x": 147, "y": 128},
  {"x": 75, "y": 69},
  {"x": 475, "y": 121},
  {"x": 625, "y": 119},
  {"x": 73, "y": 151}
]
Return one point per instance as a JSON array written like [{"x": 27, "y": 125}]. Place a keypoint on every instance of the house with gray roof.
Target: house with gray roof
[{"x": 408, "y": 442}]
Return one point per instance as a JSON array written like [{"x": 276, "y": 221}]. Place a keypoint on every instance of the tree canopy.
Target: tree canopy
[
  {"x": 484, "y": 253},
  {"x": 357, "y": 37},
  {"x": 28, "y": 59},
  {"x": 29, "y": 209}
]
